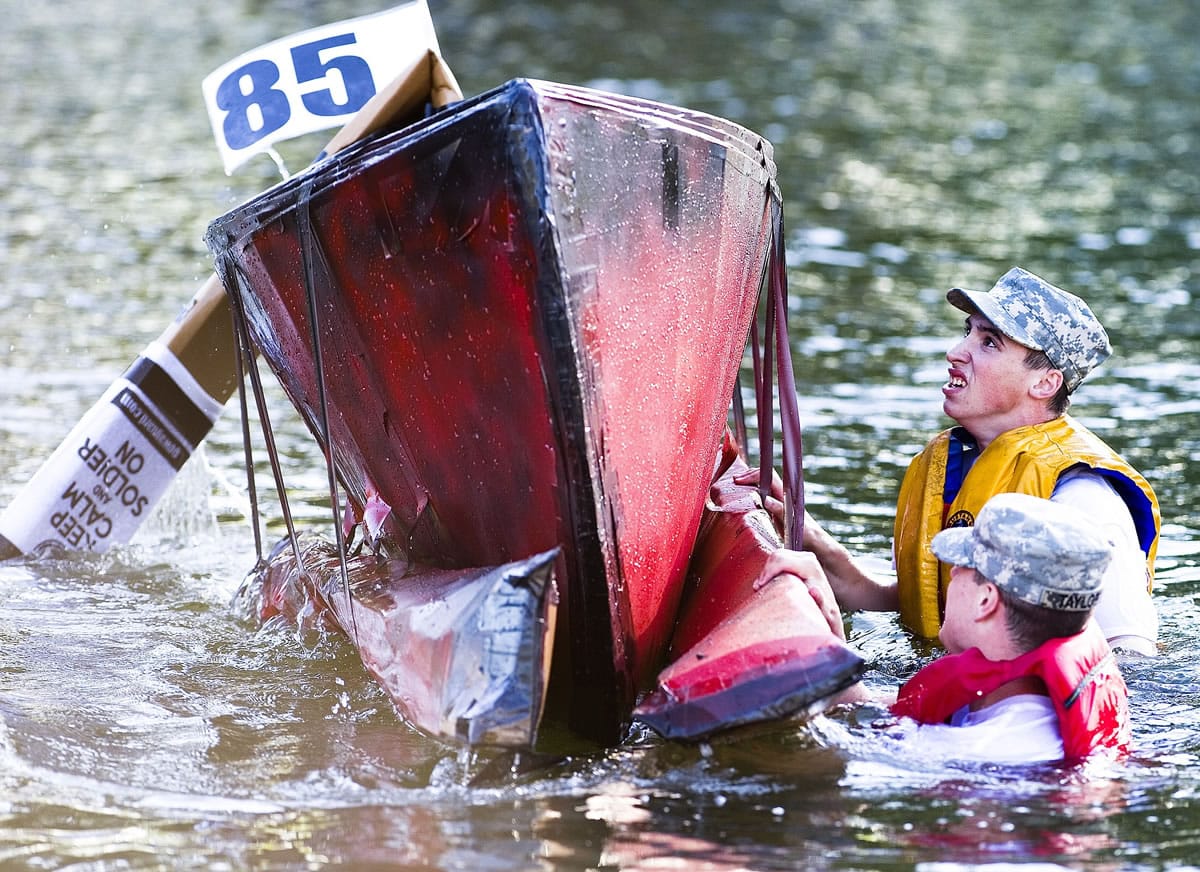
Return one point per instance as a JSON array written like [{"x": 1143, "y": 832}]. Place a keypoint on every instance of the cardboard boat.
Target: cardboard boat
[{"x": 515, "y": 327}]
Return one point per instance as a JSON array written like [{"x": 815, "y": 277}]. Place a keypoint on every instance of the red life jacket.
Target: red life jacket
[{"x": 1079, "y": 671}]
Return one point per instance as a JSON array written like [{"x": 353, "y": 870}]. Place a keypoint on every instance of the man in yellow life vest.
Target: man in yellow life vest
[{"x": 1026, "y": 347}]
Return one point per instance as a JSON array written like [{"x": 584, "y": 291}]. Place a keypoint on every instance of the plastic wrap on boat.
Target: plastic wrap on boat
[{"x": 463, "y": 654}]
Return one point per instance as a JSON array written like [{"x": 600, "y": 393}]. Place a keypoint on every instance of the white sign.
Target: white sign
[
  {"x": 311, "y": 80},
  {"x": 100, "y": 484}
]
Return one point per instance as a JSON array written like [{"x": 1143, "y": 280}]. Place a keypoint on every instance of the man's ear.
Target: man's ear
[
  {"x": 1047, "y": 385},
  {"x": 988, "y": 601}
]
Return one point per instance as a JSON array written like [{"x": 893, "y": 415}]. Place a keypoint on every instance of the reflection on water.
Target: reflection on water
[{"x": 920, "y": 145}]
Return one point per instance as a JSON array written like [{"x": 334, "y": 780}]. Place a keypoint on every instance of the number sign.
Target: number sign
[{"x": 311, "y": 80}]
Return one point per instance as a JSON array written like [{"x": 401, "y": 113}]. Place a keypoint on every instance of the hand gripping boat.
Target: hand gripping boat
[{"x": 515, "y": 327}]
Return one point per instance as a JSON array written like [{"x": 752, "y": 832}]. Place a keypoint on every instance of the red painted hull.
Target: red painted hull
[
  {"x": 531, "y": 308},
  {"x": 743, "y": 653}
]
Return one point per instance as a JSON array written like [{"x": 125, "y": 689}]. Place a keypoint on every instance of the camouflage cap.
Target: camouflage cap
[
  {"x": 1035, "y": 313},
  {"x": 1040, "y": 552}
]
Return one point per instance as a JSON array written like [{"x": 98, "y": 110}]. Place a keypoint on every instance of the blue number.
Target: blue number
[
  {"x": 356, "y": 76},
  {"x": 272, "y": 103}
]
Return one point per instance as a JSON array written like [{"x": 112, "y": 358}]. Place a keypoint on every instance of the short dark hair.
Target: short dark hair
[
  {"x": 1031, "y": 626},
  {"x": 1061, "y": 401}
]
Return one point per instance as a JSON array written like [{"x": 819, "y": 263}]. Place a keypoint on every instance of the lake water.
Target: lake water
[{"x": 920, "y": 145}]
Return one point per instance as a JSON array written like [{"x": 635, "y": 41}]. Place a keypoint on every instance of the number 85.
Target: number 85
[{"x": 257, "y": 109}]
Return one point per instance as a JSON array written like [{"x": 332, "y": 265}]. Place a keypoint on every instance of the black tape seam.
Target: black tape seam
[
  {"x": 169, "y": 399},
  {"x": 149, "y": 425}
]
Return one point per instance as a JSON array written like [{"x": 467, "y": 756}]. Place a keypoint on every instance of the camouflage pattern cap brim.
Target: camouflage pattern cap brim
[
  {"x": 990, "y": 307},
  {"x": 956, "y": 546}
]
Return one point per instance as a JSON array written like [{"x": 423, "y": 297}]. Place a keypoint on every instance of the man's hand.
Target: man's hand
[
  {"x": 856, "y": 587},
  {"x": 804, "y": 567},
  {"x": 774, "y": 500}
]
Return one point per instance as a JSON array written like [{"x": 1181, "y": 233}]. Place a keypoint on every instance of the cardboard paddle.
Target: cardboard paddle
[{"x": 102, "y": 482}]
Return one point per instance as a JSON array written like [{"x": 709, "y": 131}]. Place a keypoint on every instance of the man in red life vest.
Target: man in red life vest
[
  {"x": 1026, "y": 347},
  {"x": 1028, "y": 676}
]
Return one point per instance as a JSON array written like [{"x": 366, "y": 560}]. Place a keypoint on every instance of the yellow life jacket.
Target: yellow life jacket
[{"x": 1025, "y": 460}]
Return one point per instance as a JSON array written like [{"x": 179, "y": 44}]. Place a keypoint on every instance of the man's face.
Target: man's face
[
  {"x": 988, "y": 386},
  {"x": 959, "y": 629}
]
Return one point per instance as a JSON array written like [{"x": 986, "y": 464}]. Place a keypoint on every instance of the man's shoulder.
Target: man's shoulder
[
  {"x": 1088, "y": 490},
  {"x": 1060, "y": 443},
  {"x": 1084, "y": 477}
]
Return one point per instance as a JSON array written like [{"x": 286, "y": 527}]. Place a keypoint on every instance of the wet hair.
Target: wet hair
[
  {"x": 1061, "y": 401},
  {"x": 1031, "y": 625}
]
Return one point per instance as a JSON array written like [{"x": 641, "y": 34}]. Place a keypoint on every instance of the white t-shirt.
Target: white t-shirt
[
  {"x": 1018, "y": 729},
  {"x": 1125, "y": 611}
]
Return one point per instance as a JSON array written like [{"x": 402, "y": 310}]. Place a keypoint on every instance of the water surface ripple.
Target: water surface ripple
[{"x": 920, "y": 145}]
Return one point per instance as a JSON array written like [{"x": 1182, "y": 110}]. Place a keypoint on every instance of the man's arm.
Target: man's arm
[
  {"x": 854, "y": 587},
  {"x": 1126, "y": 612}
]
